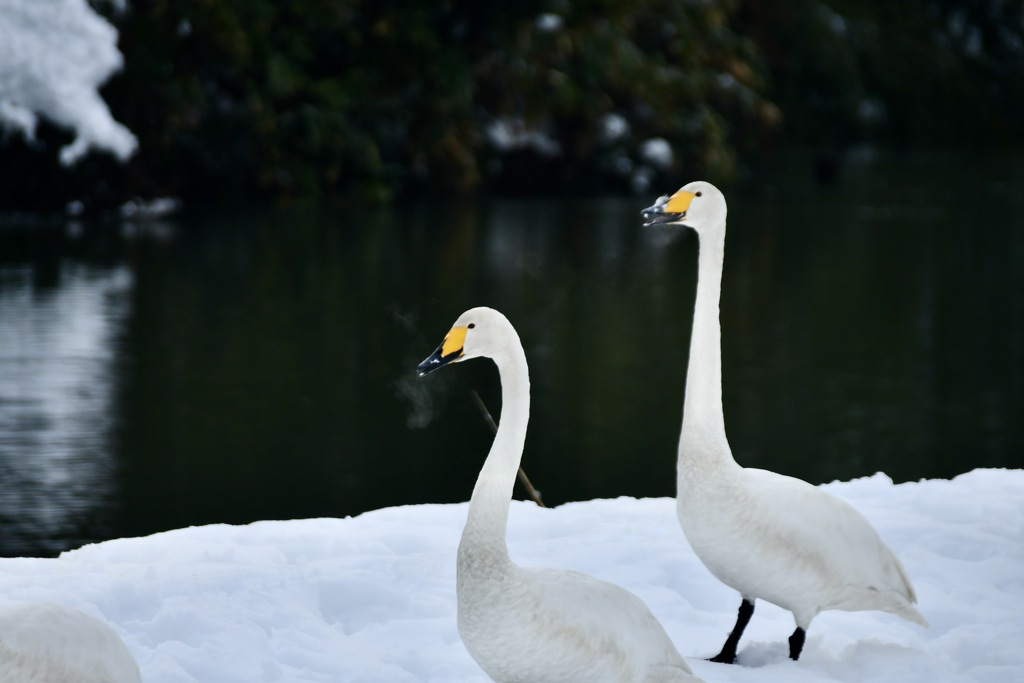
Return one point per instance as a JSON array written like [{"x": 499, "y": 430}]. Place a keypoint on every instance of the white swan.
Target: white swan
[
  {"x": 537, "y": 625},
  {"x": 766, "y": 535},
  {"x": 49, "y": 643}
]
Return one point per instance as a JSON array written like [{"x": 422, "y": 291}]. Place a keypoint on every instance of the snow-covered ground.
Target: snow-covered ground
[{"x": 372, "y": 598}]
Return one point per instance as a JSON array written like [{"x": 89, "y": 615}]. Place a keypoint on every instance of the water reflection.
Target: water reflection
[
  {"x": 57, "y": 346},
  {"x": 265, "y": 365}
]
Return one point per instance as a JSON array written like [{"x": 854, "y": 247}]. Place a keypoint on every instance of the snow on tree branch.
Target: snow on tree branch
[{"x": 54, "y": 54}]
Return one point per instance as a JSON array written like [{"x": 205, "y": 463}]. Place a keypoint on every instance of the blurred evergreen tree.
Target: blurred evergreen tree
[
  {"x": 309, "y": 97},
  {"x": 930, "y": 72},
  {"x": 303, "y": 99}
]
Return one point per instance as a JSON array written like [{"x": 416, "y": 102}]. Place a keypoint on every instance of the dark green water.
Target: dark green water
[{"x": 242, "y": 366}]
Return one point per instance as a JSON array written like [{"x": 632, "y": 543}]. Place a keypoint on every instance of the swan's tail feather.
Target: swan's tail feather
[
  {"x": 911, "y": 595},
  {"x": 907, "y": 609},
  {"x": 910, "y": 613}
]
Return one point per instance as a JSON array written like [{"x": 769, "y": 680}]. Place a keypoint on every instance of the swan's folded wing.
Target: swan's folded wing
[
  {"x": 826, "y": 540},
  {"x": 587, "y": 615}
]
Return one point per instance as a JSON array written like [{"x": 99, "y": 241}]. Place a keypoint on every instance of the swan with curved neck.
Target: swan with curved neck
[
  {"x": 538, "y": 625},
  {"x": 766, "y": 535},
  {"x": 50, "y": 643}
]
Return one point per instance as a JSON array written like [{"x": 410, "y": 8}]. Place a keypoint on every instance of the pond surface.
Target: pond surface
[{"x": 237, "y": 366}]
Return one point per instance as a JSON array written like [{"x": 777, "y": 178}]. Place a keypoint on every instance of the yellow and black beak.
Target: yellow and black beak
[
  {"x": 668, "y": 209},
  {"x": 449, "y": 351}
]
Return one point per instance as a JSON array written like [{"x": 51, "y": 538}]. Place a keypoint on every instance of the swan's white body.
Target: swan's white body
[
  {"x": 48, "y": 643},
  {"x": 767, "y": 535},
  {"x": 538, "y": 625},
  {"x": 782, "y": 540}
]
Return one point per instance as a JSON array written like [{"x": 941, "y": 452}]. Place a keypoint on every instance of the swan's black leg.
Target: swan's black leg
[
  {"x": 796, "y": 643},
  {"x": 728, "y": 653}
]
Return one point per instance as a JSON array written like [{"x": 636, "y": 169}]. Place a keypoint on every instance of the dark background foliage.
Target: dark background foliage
[{"x": 284, "y": 100}]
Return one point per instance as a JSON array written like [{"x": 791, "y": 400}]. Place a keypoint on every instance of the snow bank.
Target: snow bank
[
  {"x": 372, "y": 598},
  {"x": 54, "y": 54}
]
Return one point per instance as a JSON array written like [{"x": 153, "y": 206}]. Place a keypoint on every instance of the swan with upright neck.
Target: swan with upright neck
[
  {"x": 764, "y": 534},
  {"x": 537, "y": 625}
]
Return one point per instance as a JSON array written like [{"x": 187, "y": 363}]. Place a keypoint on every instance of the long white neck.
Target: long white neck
[
  {"x": 703, "y": 441},
  {"x": 484, "y": 534}
]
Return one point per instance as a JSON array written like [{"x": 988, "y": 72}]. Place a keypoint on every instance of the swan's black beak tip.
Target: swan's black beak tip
[
  {"x": 653, "y": 215},
  {"x": 430, "y": 364},
  {"x": 656, "y": 215},
  {"x": 437, "y": 360}
]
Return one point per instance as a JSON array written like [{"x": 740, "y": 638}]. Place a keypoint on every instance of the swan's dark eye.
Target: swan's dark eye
[
  {"x": 471, "y": 325},
  {"x": 699, "y": 193}
]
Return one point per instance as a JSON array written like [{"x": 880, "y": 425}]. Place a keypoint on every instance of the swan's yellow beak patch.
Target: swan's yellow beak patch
[
  {"x": 679, "y": 202},
  {"x": 454, "y": 341}
]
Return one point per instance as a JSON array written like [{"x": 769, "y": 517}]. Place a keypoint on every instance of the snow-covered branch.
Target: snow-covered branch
[{"x": 54, "y": 54}]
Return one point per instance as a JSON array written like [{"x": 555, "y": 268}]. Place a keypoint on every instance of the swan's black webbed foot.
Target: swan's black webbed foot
[
  {"x": 728, "y": 653},
  {"x": 796, "y": 643}
]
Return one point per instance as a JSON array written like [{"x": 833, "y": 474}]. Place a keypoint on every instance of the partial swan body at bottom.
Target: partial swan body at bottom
[
  {"x": 50, "y": 643},
  {"x": 537, "y": 625}
]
